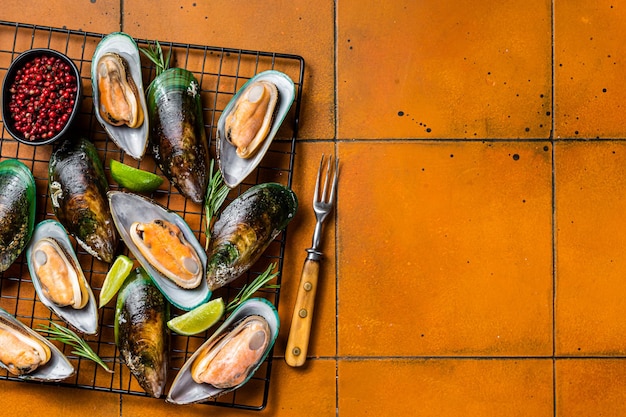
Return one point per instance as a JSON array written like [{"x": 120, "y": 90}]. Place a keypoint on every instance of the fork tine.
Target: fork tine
[
  {"x": 328, "y": 166},
  {"x": 317, "y": 182},
  {"x": 335, "y": 179}
]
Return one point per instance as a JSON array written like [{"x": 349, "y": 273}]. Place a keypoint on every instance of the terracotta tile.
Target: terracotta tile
[
  {"x": 299, "y": 238},
  {"x": 588, "y": 69},
  {"x": 308, "y": 391},
  {"x": 590, "y": 387},
  {"x": 26, "y": 399},
  {"x": 93, "y": 16},
  {"x": 448, "y": 387},
  {"x": 444, "y": 70},
  {"x": 590, "y": 205},
  {"x": 301, "y": 28},
  {"x": 446, "y": 249}
]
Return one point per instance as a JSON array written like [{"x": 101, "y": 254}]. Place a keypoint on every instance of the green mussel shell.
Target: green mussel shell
[
  {"x": 246, "y": 228},
  {"x": 78, "y": 187},
  {"x": 177, "y": 135},
  {"x": 17, "y": 210},
  {"x": 141, "y": 332}
]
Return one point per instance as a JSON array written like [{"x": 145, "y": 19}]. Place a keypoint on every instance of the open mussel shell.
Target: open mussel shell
[
  {"x": 234, "y": 168},
  {"x": 85, "y": 320},
  {"x": 57, "y": 368},
  {"x": 185, "y": 390},
  {"x": 133, "y": 141},
  {"x": 127, "y": 209},
  {"x": 17, "y": 210}
]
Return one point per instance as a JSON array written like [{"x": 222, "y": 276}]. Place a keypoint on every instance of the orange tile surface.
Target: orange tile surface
[
  {"x": 586, "y": 387},
  {"x": 458, "y": 246},
  {"x": 444, "y": 70},
  {"x": 590, "y": 218},
  {"x": 475, "y": 261},
  {"x": 588, "y": 68}
]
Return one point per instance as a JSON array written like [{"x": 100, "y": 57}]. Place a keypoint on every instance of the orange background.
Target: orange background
[{"x": 475, "y": 263}]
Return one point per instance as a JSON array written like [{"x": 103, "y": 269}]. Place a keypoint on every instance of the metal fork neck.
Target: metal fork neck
[
  {"x": 317, "y": 235},
  {"x": 314, "y": 255}
]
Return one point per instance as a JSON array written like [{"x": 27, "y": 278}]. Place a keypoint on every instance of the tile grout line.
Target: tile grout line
[
  {"x": 121, "y": 15},
  {"x": 554, "y": 214},
  {"x": 336, "y": 209}
]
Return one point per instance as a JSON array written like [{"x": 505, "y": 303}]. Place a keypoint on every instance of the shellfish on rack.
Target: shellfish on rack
[
  {"x": 118, "y": 93},
  {"x": 178, "y": 138},
  {"x": 78, "y": 187},
  {"x": 28, "y": 355},
  {"x": 164, "y": 245},
  {"x": 17, "y": 210},
  {"x": 250, "y": 122},
  {"x": 230, "y": 357},
  {"x": 141, "y": 332},
  {"x": 59, "y": 279},
  {"x": 245, "y": 228}
]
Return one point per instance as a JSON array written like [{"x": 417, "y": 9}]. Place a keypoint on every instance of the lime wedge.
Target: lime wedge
[
  {"x": 115, "y": 278},
  {"x": 199, "y": 319},
  {"x": 134, "y": 179}
]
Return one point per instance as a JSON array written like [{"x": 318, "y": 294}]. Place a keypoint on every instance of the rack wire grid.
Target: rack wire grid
[{"x": 221, "y": 72}]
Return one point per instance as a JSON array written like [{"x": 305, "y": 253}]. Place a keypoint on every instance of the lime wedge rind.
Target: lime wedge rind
[
  {"x": 120, "y": 269},
  {"x": 199, "y": 319},
  {"x": 134, "y": 179}
]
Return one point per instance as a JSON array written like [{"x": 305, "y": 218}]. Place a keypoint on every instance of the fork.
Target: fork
[{"x": 298, "y": 341}]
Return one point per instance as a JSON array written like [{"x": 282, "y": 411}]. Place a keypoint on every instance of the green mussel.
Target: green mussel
[
  {"x": 177, "y": 135},
  {"x": 78, "y": 187},
  {"x": 141, "y": 332},
  {"x": 17, "y": 210},
  {"x": 245, "y": 228}
]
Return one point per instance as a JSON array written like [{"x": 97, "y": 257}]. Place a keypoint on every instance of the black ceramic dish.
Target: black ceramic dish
[{"x": 19, "y": 63}]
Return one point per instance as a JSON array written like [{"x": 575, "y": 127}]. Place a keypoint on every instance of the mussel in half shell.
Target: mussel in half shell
[
  {"x": 59, "y": 279},
  {"x": 141, "y": 332},
  {"x": 78, "y": 187},
  {"x": 245, "y": 228},
  {"x": 250, "y": 122},
  {"x": 118, "y": 94},
  {"x": 177, "y": 135},
  {"x": 229, "y": 358},
  {"x": 17, "y": 210},
  {"x": 164, "y": 245},
  {"x": 28, "y": 355}
]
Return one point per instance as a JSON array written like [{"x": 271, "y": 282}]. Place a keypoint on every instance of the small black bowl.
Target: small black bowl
[{"x": 19, "y": 63}]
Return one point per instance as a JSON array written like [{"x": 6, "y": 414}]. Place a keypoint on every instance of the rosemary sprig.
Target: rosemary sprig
[
  {"x": 67, "y": 336},
  {"x": 155, "y": 54},
  {"x": 249, "y": 289},
  {"x": 215, "y": 195}
]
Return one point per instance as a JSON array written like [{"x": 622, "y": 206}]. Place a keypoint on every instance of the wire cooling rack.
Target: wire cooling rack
[{"x": 220, "y": 72}]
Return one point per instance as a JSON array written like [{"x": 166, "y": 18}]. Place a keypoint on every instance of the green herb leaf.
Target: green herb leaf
[
  {"x": 155, "y": 54},
  {"x": 68, "y": 337},
  {"x": 216, "y": 193},
  {"x": 248, "y": 290}
]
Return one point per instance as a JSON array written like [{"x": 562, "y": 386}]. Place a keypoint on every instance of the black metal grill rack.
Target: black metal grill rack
[{"x": 220, "y": 72}]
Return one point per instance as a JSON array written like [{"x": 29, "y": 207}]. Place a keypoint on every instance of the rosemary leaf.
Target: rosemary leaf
[
  {"x": 68, "y": 337},
  {"x": 155, "y": 54},
  {"x": 215, "y": 196},
  {"x": 248, "y": 290}
]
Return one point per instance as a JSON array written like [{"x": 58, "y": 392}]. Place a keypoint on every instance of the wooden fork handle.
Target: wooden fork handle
[{"x": 298, "y": 341}]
